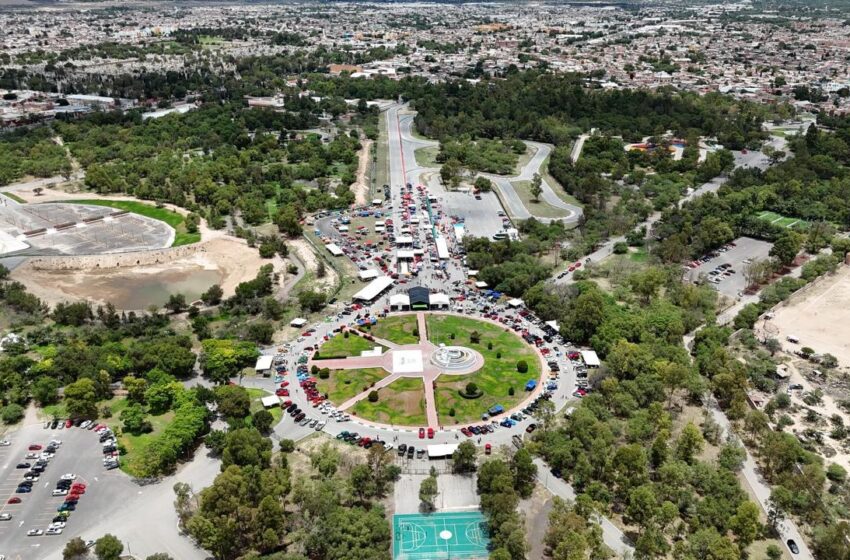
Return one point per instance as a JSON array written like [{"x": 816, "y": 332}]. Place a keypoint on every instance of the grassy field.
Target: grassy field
[
  {"x": 257, "y": 404},
  {"x": 402, "y": 403},
  {"x": 497, "y": 376},
  {"x": 133, "y": 444},
  {"x": 427, "y": 157},
  {"x": 396, "y": 328},
  {"x": 782, "y": 221},
  {"x": 175, "y": 220},
  {"x": 541, "y": 208},
  {"x": 15, "y": 197},
  {"x": 341, "y": 347},
  {"x": 346, "y": 383}
]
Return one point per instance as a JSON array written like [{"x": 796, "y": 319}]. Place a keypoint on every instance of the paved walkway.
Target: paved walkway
[{"x": 423, "y": 328}]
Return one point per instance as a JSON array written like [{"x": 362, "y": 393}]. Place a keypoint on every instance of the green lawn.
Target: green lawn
[
  {"x": 175, "y": 220},
  {"x": 541, "y": 208},
  {"x": 341, "y": 347},
  {"x": 496, "y": 377},
  {"x": 402, "y": 403},
  {"x": 427, "y": 157},
  {"x": 396, "y": 328},
  {"x": 346, "y": 383},
  {"x": 782, "y": 221},
  {"x": 133, "y": 444},
  {"x": 15, "y": 197},
  {"x": 256, "y": 404}
]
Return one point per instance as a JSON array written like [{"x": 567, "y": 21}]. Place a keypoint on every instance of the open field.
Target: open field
[
  {"x": 782, "y": 221},
  {"x": 175, "y": 220},
  {"x": 396, "y": 328},
  {"x": 402, "y": 403},
  {"x": 342, "y": 347},
  {"x": 817, "y": 315},
  {"x": 346, "y": 383},
  {"x": 536, "y": 208},
  {"x": 498, "y": 376},
  {"x": 427, "y": 157}
]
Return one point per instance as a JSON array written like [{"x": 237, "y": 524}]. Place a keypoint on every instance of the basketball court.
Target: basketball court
[{"x": 440, "y": 536}]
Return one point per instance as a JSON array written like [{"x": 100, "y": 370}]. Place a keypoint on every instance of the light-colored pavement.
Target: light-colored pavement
[
  {"x": 575, "y": 153},
  {"x": 612, "y": 536}
]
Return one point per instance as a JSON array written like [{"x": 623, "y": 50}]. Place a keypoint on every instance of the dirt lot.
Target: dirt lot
[
  {"x": 224, "y": 261},
  {"x": 818, "y": 316}
]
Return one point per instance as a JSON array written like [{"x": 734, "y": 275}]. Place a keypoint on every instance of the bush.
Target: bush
[
  {"x": 287, "y": 446},
  {"x": 11, "y": 414},
  {"x": 511, "y": 391},
  {"x": 621, "y": 248},
  {"x": 471, "y": 388},
  {"x": 315, "y": 369},
  {"x": 489, "y": 346},
  {"x": 452, "y": 336},
  {"x": 498, "y": 355},
  {"x": 475, "y": 337},
  {"x": 836, "y": 473},
  {"x": 522, "y": 366},
  {"x": 452, "y": 412},
  {"x": 324, "y": 373},
  {"x": 373, "y": 396},
  {"x": 346, "y": 334}
]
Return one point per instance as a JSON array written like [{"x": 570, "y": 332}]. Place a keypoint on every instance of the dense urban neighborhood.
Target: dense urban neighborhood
[{"x": 424, "y": 281}]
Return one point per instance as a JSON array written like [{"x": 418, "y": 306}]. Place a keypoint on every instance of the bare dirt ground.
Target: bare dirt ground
[
  {"x": 818, "y": 316},
  {"x": 229, "y": 258},
  {"x": 536, "y": 510},
  {"x": 360, "y": 186}
]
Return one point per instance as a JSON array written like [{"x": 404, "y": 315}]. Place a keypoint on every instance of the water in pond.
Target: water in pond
[{"x": 140, "y": 290}]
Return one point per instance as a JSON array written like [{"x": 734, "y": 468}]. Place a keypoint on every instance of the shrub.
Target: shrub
[
  {"x": 315, "y": 369},
  {"x": 324, "y": 373},
  {"x": 621, "y": 248},
  {"x": 489, "y": 346},
  {"x": 498, "y": 355},
  {"x": 522, "y": 366},
  {"x": 475, "y": 337},
  {"x": 836, "y": 473},
  {"x": 452, "y": 336},
  {"x": 12, "y": 413},
  {"x": 287, "y": 446},
  {"x": 415, "y": 331},
  {"x": 452, "y": 412},
  {"x": 511, "y": 391},
  {"x": 373, "y": 396},
  {"x": 471, "y": 389},
  {"x": 346, "y": 334}
]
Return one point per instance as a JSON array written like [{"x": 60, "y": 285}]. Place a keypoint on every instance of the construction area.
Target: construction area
[{"x": 76, "y": 229}]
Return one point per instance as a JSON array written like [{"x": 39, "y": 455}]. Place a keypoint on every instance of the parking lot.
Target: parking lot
[
  {"x": 79, "y": 454},
  {"x": 734, "y": 258}
]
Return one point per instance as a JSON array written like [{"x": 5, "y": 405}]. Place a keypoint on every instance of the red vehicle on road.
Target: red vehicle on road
[
  {"x": 430, "y": 433},
  {"x": 421, "y": 433}
]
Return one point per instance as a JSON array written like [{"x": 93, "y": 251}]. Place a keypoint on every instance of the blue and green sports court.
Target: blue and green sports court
[{"x": 440, "y": 536}]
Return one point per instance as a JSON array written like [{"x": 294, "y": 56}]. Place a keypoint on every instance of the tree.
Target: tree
[
  {"x": 536, "y": 187},
  {"x": 311, "y": 300},
  {"x": 690, "y": 443},
  {"x": 81, "y": 399},
  {"x": 450, "y": 173},
  {"x": 373, "y": 396},
  {"x": 464, "y": 457},
  {"x": 643, "y": 505},
  {"x": 108, "y": 547},
  {"x": 483, "y": 184},
  {"x": 745, "y": 523},
  {"x": 525, "y": 472},
  {"x": 233, "y": 402},
  {"x": 135, "y": 388},
  {"x": 522, "y": 366},
  {"x": 246, "y": 446},
  {"x": 786, "y": 247},
  {"x": 475, "y": 337},
  {"x": 176, "y": 303},
  {"x": 222, "y": 359},
  {"x": 213, "y": 295},
  {"x": 45, "y": 390},
  {"x": 288, "y": 221},
  {"x": 12, "y": 413},
  {"x": 262, "y": 420},
  {"x": 134, "y": 420},
  {"x": 321, "y": 269},
  {"x": 75, "y": 549},
  {"x": 428, "y": 492}
]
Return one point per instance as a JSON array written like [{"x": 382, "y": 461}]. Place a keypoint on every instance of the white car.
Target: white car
[
  {"x": 57, "y": 525},
  {"x": 85, "y": 424},
  {"x": 89, "y": 543},
  {"x": 34, "y": 532},
  {"x": 5, "y": 443},
  {"x": 56, "y": 442},
  {"x": 59, "y": 492},
  {"x": 68, "y": 476},
  {"x": 53, "y": 531},
  {"x": 5, "y": 516}
]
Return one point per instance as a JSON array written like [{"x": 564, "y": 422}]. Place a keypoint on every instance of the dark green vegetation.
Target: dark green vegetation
[
  {"x": 813, "y": 185},
  {"x": 218, "y": 159},
  {"x": 31, "y": 152},
  {"x": 186, "y": 230},
  {"x": 259, "y": 508}
]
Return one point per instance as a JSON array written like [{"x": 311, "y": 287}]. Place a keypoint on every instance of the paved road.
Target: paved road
[
  {"x": 575, "y": 153},
  {"x": 515, "y": 205},
  {"x": 612, "y": 536}
]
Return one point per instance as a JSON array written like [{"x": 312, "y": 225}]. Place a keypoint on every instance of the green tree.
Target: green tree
[
  {"x": 786, "y": 247},
  {"x": 428, "y": 492},
  {"x": 134, "y": 420},
  {"x": 45, "y": 390},
  {"x": 213, "y": 295},
  {"x": 108, "y": 547},
  {"x": 745, "y": 523},
  {"x": 135, "y": 388},
  {"x": 536, "y": 187},
  {"x": 262, "y": 420},
  {"x": 244, "y": 447},
  {"x": 176, "y": 303},
  {"x": 690, "y": 443},
  {"x": 75, "y": 549},
  {"x": 81, "y": 399},
  {"x": 311, "y": 300},
  {"x": 233, "y": 402},
  {"x": 12, "y": 413},
  {"x": 525, "y": 472},
  {"x": 464, "y": 457}
]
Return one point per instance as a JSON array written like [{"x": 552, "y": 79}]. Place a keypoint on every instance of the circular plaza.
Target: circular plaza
[{"x": 426, "y": 369}]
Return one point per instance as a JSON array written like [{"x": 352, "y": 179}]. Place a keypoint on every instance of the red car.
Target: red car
[
  {"x": 465, "y": 431},
  {"x": 430, "y": 433},
  {"x": 488, "y": 449},
  {"x": 35, "y": 447},
  {"x": 282, "y": 392},
  {"x": 286, "y": 404},
  {"x": 284, "y": 384},
  {"x": 421, "y": 433},
  {"x": 14, "y": 500},
  {"x": 580, "y": 393},
  {"x": 69, "y": 423},
  {"x": 577, "y": 265}
]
